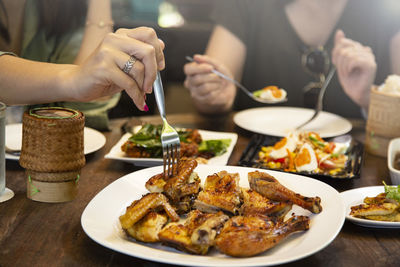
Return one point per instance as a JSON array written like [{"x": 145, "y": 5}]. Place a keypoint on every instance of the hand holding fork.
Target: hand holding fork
[{"x": 170, "y": 142}]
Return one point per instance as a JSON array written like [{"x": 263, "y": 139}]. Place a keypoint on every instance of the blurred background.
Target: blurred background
[{"x": 184, "y": 26}]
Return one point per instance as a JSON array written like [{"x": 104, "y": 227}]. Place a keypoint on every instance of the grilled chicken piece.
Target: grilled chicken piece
[
  {"x": 138, "y": 209},
  {"x": 181, "y": 189},
  {"x": 379, "y": 209},
  {"x": 269, "y": 187},
  {"x": 147, "y": 229},
  {"x": 255, "y": 203},
  {"x": 244, "y": 236},
  {"x": 176, "y": 187},
  {"x": 221, "y": 192},
  {"x": 196, "y": 235}
]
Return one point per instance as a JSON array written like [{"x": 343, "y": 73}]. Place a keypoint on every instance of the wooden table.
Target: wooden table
[{"x": 42, "y": 234}]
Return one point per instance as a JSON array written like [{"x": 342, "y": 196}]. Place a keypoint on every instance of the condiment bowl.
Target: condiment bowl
[{"x": 393, "y": 150}]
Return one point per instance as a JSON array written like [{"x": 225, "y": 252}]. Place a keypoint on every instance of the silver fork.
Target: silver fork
[
  {"x": 321, "y": 93},
  {"x": 170, "y": 142}
]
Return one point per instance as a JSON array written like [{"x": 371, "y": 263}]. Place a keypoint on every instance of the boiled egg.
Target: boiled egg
[
  {"x": 280, "y": 149},
  {"x": 273, "y": 93},
  {"x": 306, "y": 160}
]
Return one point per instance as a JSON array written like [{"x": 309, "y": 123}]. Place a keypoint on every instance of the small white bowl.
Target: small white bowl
[{"x": 393, "y": 149}]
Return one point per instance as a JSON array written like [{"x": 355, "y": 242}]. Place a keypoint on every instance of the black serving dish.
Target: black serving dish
[{"x": 352, "y": 170}]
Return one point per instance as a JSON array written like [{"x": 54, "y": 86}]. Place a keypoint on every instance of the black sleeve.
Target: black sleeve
[{"x": 232, "y": 15}]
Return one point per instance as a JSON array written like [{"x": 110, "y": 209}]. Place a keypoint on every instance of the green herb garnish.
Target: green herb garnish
[
  {"x": 316, "y": 141},
  {"x": 392, "y": 192},
  {"x": 218, "y": 147}
]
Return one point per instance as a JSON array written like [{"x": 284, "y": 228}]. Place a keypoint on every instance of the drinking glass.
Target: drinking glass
[{"x": 5, "y": 193}]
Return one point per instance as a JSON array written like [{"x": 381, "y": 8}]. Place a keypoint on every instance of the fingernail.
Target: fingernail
[
  {"x": 146, "y": 108},
  {"x": 145, "y": 97}
]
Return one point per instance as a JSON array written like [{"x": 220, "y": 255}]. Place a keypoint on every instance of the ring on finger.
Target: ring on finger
[{"x": 129, "y": 64}]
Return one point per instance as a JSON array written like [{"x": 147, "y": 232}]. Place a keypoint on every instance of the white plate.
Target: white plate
[
  {"x": 278, "y": 121},
  {"x": 118, "y": 154},
  {"x": 100, "y": 221},
  {"x": 93, "y": 139},
  {"x": 355, "y": 197}
]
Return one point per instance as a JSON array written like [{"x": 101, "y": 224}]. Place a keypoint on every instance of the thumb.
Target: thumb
[{"x": 339, "y": 35}]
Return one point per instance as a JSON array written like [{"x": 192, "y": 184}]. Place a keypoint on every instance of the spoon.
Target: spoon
[{"x": 244, "y": 89}]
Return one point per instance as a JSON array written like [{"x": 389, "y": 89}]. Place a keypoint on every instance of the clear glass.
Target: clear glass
[{"x": 2, "y": 148}]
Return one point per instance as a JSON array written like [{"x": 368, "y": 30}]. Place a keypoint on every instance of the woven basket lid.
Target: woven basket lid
[{"x": 52, "y": 140}]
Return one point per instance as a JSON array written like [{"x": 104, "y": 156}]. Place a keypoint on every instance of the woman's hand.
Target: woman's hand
[
  {"x": 356, "y": 68},
  {"x": 211, "y": 93},
  {"x": 102, "y": 73}
]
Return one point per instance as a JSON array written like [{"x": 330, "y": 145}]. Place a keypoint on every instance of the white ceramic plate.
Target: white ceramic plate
[
  {"x": 93, "y": 139},
  {"x": 117, "y": 154},
  {"x": 278, "y": 121},
  {"x": 100, "y": 221},
  {"x": 355, "y": 197}
]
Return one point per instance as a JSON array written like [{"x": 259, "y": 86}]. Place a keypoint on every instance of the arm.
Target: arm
[
  {"x": 356, "y": 68},
  {"x": 30, "y": 82},
  {"x": 395, "y": 53},
  {"x": 210, "y": 93},
  {"x": 98, "y": 23}
]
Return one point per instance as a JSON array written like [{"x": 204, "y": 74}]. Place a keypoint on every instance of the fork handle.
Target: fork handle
[{"x": 159, "y": 95}]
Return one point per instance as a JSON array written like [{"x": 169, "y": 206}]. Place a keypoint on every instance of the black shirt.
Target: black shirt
[{"x": 274, "y": 50}]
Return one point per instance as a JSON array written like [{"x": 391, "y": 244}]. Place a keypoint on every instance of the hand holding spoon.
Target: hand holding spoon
[{"x": 256, "y": 96}]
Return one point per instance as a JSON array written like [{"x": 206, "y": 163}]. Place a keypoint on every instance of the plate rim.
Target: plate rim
[
  {"x": 223, "y": 260},
  {"x": 240, "y": 113},
  {"x": 364, "y": 222}
]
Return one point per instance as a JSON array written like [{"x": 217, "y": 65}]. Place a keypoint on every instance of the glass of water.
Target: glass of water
[{"x": 5, "y": 193}]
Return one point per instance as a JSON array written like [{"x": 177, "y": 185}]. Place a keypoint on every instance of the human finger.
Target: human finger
[
  {"x": 149, "y": 36},
  {"x": 204, "y": 91},
  {"x": 199, "y": 79},
  {"x": 141, "y": 51},
  {"x": 194, "y": 68},
  {"x": 128, "y": 84}
]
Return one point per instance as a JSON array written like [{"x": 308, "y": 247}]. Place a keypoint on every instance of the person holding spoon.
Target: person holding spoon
[{"x": 293, "y": 44}]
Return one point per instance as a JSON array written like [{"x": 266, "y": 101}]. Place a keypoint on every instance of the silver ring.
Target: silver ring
[{"x": 129, "y": 64}]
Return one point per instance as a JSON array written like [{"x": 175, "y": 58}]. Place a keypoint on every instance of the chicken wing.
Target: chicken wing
[
  {"x": 269, "y": 187},
  {"x": 147, "y": 228},
  {"x": 221, "y": 192},
  {"x": 181, "y": 189},
  {"x": 244, "y": 236},
  {"x": 255, "y": 203},
  {"x": 138, "y": 209}
]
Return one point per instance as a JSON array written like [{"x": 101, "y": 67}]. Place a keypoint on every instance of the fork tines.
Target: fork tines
[{"x": 171, "y": 156}]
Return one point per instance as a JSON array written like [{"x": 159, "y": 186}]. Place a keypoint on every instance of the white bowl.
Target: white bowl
[{"x": 393, "y": 149}]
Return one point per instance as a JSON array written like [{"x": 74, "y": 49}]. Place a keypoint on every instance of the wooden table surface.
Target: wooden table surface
[{"x": 44, "y": 234}]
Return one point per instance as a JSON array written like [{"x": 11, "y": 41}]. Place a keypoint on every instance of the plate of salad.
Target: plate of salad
[
  {"x": 306, "y": 153},
  {"x": 143, "y": 147}
]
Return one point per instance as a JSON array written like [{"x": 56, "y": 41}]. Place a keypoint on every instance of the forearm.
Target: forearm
[
  {"x": 222, "y": 45},
  {"x": 98, "y": 24},
  {"x": 28, "y": 82}
]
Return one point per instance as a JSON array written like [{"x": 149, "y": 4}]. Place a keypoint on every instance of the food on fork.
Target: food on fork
[
  {"x": 383, "y": 207},
  {"x": 239, "y": 222},
  {"x": 272, "y": 92},
  {"x": 254, "y": 234},
  {"x": 181, "y": 189},
  {"x": 269, "y": 187},
  {"x": 305, "y": 152}
]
